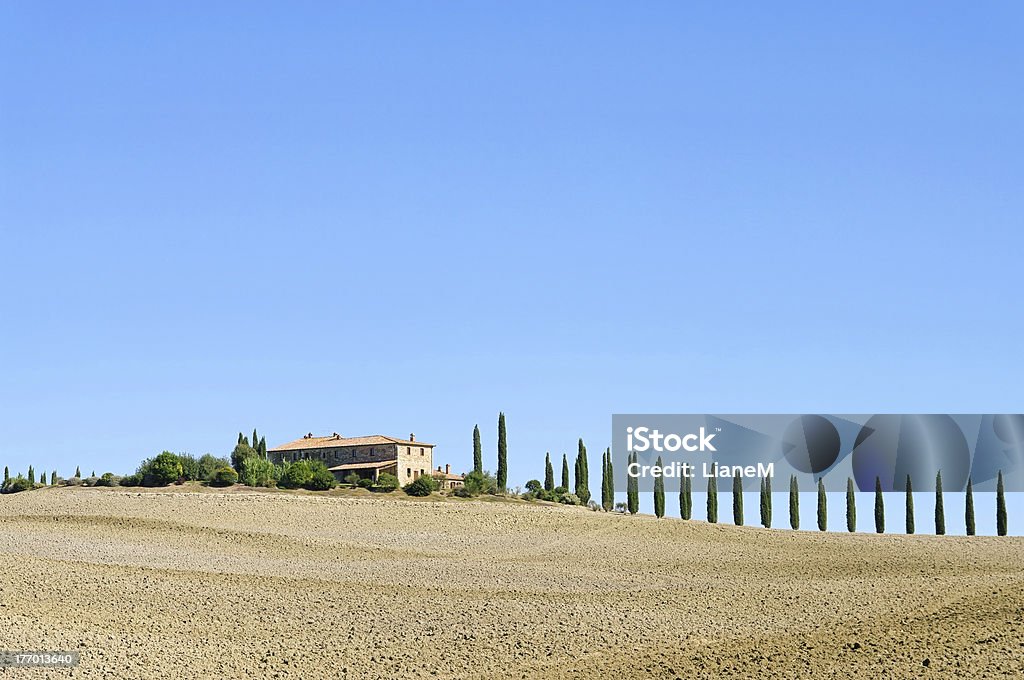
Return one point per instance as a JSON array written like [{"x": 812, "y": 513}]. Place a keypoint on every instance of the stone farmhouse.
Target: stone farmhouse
[{"x": 368, "y": 457}]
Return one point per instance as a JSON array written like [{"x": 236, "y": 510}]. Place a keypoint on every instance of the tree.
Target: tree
[
  {"x": 1000, "y": 506},
  {"x": 822, "y": 506},
  {"x": 262, "y": 448},
  {"x": 225, "y": 476},
  {"x": 565, "y": 472},
  {"x": 768, "y": 499},
  {"x": 940, "y": 513},
  {"x": 53, "y": 478},
  {"x": 478, "y": 451},
  {"x": 910, "y": 506},
  {"x": 502, "y": 474},
  {"x": 239, "y": 454},
  {"x": 78, "y": 472},
  {"x": 851, "y": 507},
  {"x": 632, "y": 489},
  {"x": 685, "y": 497},
  {"x": 549, "y": 472},
  {"x": 659, "y": 493},
  {"x": 42, "y": 478},
  {"x": 879, "y": 507},
  {"x": 255, "y": 440},
  {"x": 611, "y": 482},
  {"x": 737, "y": 501},
  {"x": 762, "y": 507},
  {"x": 713, "y": 496},
  {"x": 794, "y": 503},
  {"x": 969, "y": 507},
  {"x": 31, "y": 475},
  {"x": 582, "y": 474},
  {"x": 424, "y": 485},
  {"x": 160, "y": 471},
  {"x": 7, "y": 473}
]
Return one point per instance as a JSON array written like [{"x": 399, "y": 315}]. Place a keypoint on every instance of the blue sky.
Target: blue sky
[{"x": 394, "y": 217}]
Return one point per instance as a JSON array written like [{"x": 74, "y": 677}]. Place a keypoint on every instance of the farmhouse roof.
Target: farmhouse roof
[{"x": 331, "y": 441}]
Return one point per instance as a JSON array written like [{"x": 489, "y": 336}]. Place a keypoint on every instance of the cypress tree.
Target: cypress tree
[
  {"x": 659, "y": 493},
  {"x": 241, "y": 438},
  {"x": 940, "y": 513},
  {"x": 910, "y": 507},
  {"x": 851, "y": 507},
  {"x": 255, "y": 440},
  {"x": 762, "y": 506},
  {"x": 78, "y": 472},
  {"x": 565, "y": 473},
  {"x": 969, "y": 507},
  {"x": 31, "y": 475},
  {"x": 822, "y": 507},
  {"x": 713, "y": 496},
  {"x": 632, "y": 489},
  {"x": 549, "y": 472},
  {"x": 7, "y": 473},
  {"x": 478, "y": 452},
  {"x": 685, "y": 497},
  {"x": 1001, "y": 524},
  {"x": 263, "y": 448},
  {"x": 737, "y": 501},
  {"x": 502, "y": 474},
  {"x": 582, "y": 474},
  {"x": 604, "y": 480},
  {"x": 53, "y": 478},
  {"x": 611, "y": 482},
  {"x": 794, "y": 503},
  {"x": 768, "y": 500},
  {"x": 879, "y": 507}
]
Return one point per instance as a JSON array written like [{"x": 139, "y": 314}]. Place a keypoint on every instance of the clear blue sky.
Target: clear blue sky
[{"x": 395, "y": 217}]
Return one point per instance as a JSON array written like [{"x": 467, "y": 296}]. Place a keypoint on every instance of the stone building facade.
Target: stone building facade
[{"x": 368, "y": 457}]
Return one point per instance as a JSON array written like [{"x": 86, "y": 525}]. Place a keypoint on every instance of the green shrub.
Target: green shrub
[
  {"x": 160, "y": 471},
  {"x": 208, "y": 466},
  {"x": 258, "y": 472},
  {"x": 226, "y": 476},
  {"x": 386, "y": 482},
  {"x": 461, "y": 492},
  {"x": 107, "y": 479},
  {"x": 296, "y": 475},
  {"x": 569, "y": 499},
  {"x": 352, "y": 479},
  {"x": 477, "y": 483},
  {"x": 134, "y": 479},
  {"x": 73, "y": 481},
  {"x": 365, "y": 483},
  {"x": 322, "y": 480},
  {"x": 16, "y": 484},
  {"x": 91, "y": 480},
  {"x": 189, "y": 467},
  {"x": 422, "y": 486}
]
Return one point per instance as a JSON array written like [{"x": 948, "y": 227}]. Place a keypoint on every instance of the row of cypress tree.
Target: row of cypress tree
[{"x": 31, "y": 475}]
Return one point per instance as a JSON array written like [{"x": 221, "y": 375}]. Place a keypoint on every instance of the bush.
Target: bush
[
  {"x": 295, "y": 475},
  {"x": 365, "y": 482},
  {"x": 226, "y": 476},
  {"x": 91, "y": 480},
  {"x": 569, "y": 499},
  {"x": 160, "y": 471},
  {"x": 322, "y": 480},
  {"x": 134, "y": 479},
  {"x": 107, "y": 479},
  {"x": 208, "y": 466},
  {"x": 16, "y": 484},
  {"x": 73, "y": 481},
  {"x": 258, "y": 472},
  {"x": 352, "y": 479},
  {"x": 461, "y": 492},
  {"x": 424, "y": 485},
  {"x": 189, "y": 467},
  {"x": 386, "y": 482},
  {"x": 477, "y": 483}
]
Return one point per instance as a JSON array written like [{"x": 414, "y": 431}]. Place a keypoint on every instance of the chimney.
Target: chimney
[
  {"x": 438, "y": 468},
  {"x": 447, "y": 469},
  {"x": 412, "y": 437}
]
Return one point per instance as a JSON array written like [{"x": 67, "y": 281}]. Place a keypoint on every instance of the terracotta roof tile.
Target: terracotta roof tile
[{"x": 337, "y": 440}]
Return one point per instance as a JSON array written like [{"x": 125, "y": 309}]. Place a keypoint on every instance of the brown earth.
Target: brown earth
[{"x": 246, "y": 584}]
